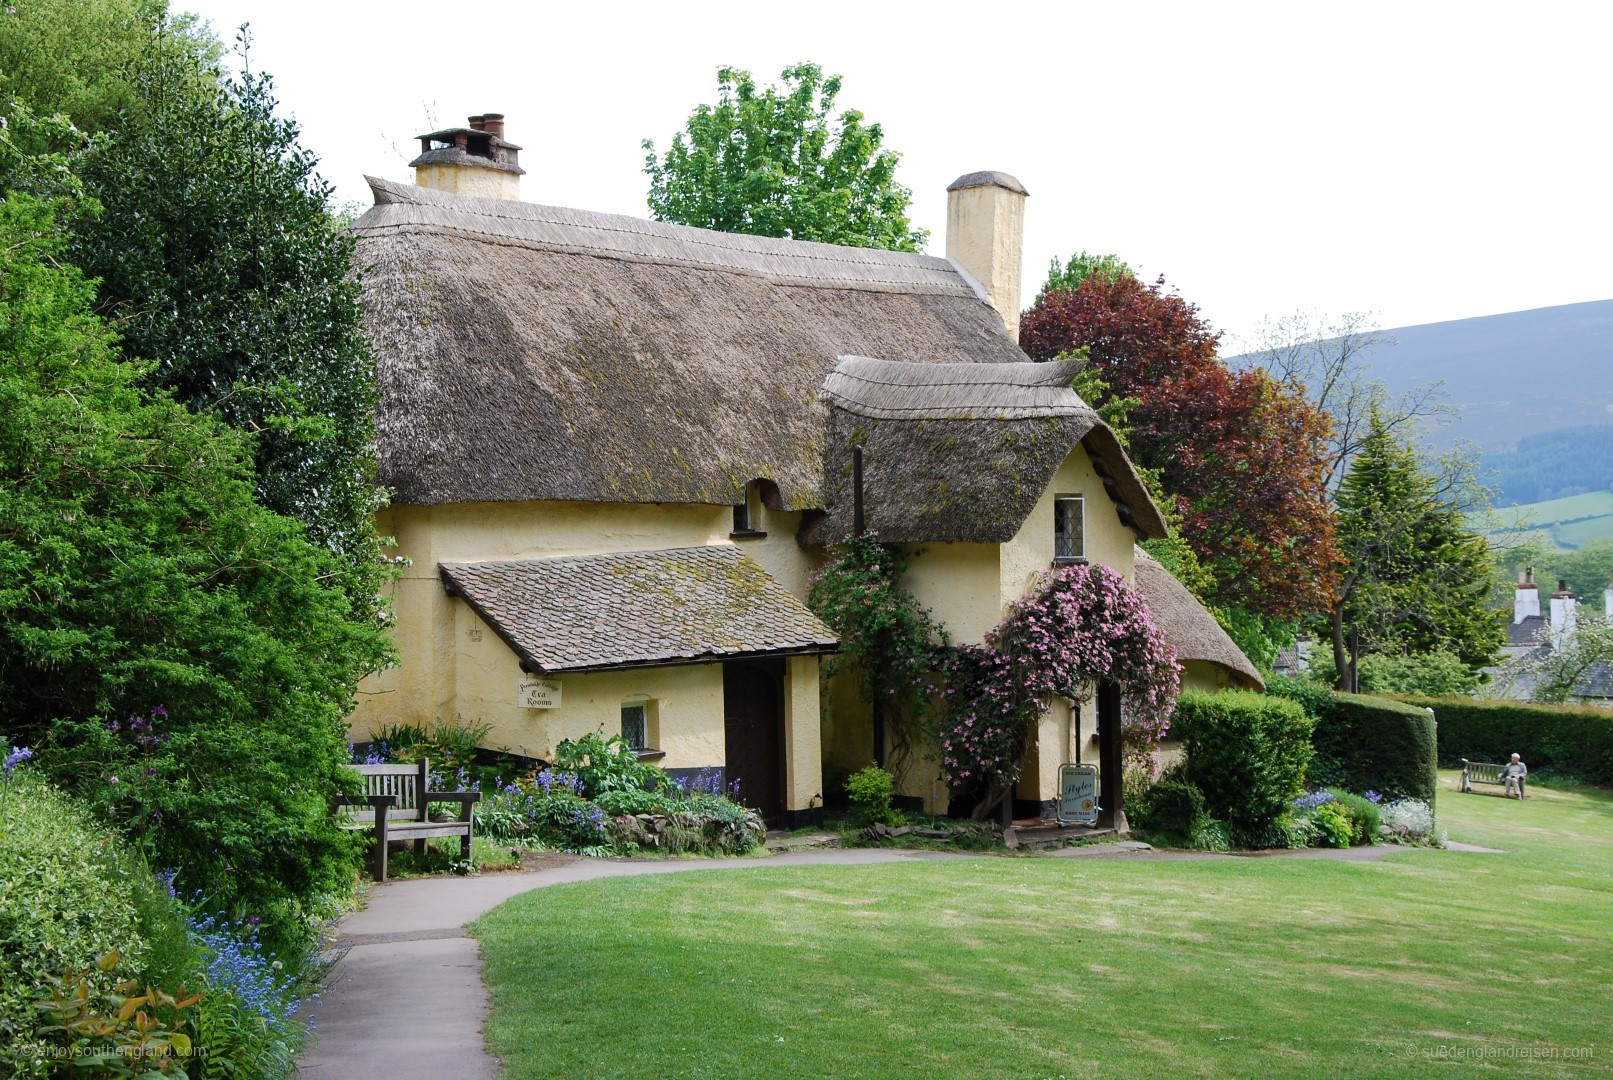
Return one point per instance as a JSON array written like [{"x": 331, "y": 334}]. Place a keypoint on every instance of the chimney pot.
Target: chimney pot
[{"x": 473, "y": 160}]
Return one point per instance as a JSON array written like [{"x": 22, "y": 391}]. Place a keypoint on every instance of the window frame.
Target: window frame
[
  {"x": 744, "y": 519},
  {"x": 649, "y": 722},
  {"x": 1078, "y": 535}
]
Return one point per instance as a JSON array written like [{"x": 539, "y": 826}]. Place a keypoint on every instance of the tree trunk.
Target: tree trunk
[{"x": 1343, "y": 661}]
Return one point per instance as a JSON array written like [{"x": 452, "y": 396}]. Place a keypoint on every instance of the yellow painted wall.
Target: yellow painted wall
[
  {"x": 429, "y": 632},
  {"x": 1204, "y": 675},
  {"x": 1108, "y": 542},
  {"x": 803, "y": 758},
  {"x": 469, "y": 180},
  {"x": 452, "y": 665},
  {"x": 959, "y": 583}
]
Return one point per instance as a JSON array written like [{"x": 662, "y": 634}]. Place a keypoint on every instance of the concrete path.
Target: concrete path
[{"x": 407, "y": 1002}]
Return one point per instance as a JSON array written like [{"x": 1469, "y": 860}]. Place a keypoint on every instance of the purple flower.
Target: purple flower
[{"x": 17, "y": 757}]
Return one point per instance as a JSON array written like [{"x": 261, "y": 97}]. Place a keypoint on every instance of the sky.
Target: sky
[{"x": 1418, "y": 161}]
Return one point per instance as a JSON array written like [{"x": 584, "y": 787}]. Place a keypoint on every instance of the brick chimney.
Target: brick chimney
[
  {"x": 1526, "y": 600},
  {"x": 1564, "y": 616},
  {"x": 474, "y": 160},
  {"x": 986, "y": 237}
]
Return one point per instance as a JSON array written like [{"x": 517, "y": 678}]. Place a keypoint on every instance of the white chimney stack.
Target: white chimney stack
[
  {"x": 986, "y": 237},
  {"x": 1526, "y": 600},
  {"x": 1563, "y": 615},
  {"x": 1607, "y": 602}
]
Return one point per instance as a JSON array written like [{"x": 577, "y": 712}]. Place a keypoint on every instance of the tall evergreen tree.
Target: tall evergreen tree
[
  {"x": 1417, "y": 580},
  {"x": 219, "y": 259}
]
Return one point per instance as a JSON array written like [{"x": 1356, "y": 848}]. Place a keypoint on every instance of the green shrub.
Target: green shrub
[
  {"x": 569, "y": 821},
  {"x": 871, "y": 791},
  {"x": 68, "y": 893},
  {"x": 605, "y": 764},
  {"x": 1247, "y": 753},
  {"x": 616, "y": 803},
  {"x": 1173, "y": 808},
  {"x": 1571, "y": 740},
  {"x": 1366, "y": 743},
  {"x": 1364, "y": 816},
  {"x": 1333, "y": 824}
]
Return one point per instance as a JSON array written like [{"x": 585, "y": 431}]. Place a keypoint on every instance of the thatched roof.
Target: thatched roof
[
  {"x": 529, "y": 352},
  {"x": 636, "y": 609},
  {"x": 533, "y": 353},
  {"x": 1191, "y": 629},
  {"x": 961, "y": 452}
]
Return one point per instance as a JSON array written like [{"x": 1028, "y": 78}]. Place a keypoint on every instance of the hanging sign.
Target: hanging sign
[
  {"x": 1078, "y": 795},
  {"x": 538, "y": 694}
]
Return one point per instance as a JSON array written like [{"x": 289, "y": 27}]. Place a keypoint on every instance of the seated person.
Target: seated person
[{"x": 1513, "y": 773}]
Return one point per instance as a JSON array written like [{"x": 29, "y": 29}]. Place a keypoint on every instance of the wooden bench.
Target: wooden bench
[
  {"x": 397, "y": 800},
  {"x": 1489, "y": 773}
]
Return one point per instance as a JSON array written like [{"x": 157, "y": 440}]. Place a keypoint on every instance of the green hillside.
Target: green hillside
[{"x": 1569, "y": 523}]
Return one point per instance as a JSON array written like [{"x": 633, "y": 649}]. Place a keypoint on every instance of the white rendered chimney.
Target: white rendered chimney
[
  {"x": 1607, "y": 602},
  {"x": 986, "y": 236},
  {"x": 1563, "y": 614},
  {"x": 1526, "y": 600}
]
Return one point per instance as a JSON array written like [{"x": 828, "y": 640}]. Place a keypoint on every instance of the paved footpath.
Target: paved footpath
[{"x": 407, "y": 1002}]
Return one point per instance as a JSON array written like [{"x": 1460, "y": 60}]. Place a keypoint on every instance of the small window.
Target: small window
[
  {"x": 1069, "y": 529},
  {"x": 744, "y": 524},
  {"x": 635, "y": 726}
]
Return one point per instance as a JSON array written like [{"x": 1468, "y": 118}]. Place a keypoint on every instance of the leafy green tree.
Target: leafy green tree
[
  {"x": 172, "y": 651},
  {"x": 219, "y": 259},
  {"x": 777, "y": 162},
  {"x": 1416, "y": 578},
  {"x": 1438, "y": 673},
  {"x": 76, "y": 57}
]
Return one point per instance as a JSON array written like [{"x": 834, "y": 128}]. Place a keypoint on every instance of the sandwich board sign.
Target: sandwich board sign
[{"x": 1078, "y": 795}]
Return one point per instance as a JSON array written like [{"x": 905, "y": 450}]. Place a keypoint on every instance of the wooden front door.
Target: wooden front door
[{"x": 753, "y": 729}]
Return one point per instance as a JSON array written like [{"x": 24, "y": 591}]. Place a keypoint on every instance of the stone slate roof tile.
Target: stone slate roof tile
[{"x": 636, "y": 608}]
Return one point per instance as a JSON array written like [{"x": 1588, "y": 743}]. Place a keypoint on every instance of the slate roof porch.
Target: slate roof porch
[{"x": 638, "y": 609}]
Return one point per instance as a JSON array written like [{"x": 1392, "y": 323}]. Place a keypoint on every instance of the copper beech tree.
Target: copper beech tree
[{"x": 1242, "y": 455}]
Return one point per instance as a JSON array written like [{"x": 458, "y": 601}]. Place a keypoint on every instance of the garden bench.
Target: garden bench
[
  {"x": 1485, "y": 772},
  {"x": 396, "y": 801}
]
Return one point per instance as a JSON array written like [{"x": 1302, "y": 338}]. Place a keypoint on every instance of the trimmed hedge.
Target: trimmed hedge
[
  {"x": 1247, "y": 752},
  {"x": 1572, "y": 740},
  {"x": 1367, "y": 743}
]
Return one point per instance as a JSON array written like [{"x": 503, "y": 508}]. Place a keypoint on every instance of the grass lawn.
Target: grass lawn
[{"x": 1042, "y": 967}]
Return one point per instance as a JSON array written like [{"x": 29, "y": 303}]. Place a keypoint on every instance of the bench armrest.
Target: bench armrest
[{"x": 453, "y": 796}]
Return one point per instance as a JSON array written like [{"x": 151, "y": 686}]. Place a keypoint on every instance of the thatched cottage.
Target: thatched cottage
[{"x": 618, "y": 448}]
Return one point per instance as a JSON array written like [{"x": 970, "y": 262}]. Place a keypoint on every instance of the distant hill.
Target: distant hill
[
  {"x": 1512, "y": 375},
  {"x": 1542, "y": 378}
]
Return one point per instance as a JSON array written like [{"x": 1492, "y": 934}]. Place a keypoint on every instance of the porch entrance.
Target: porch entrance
[{"x": 753, "y": 733}]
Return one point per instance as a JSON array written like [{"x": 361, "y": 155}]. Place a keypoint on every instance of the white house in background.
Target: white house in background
[{"x": 1532, "y": 633}]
